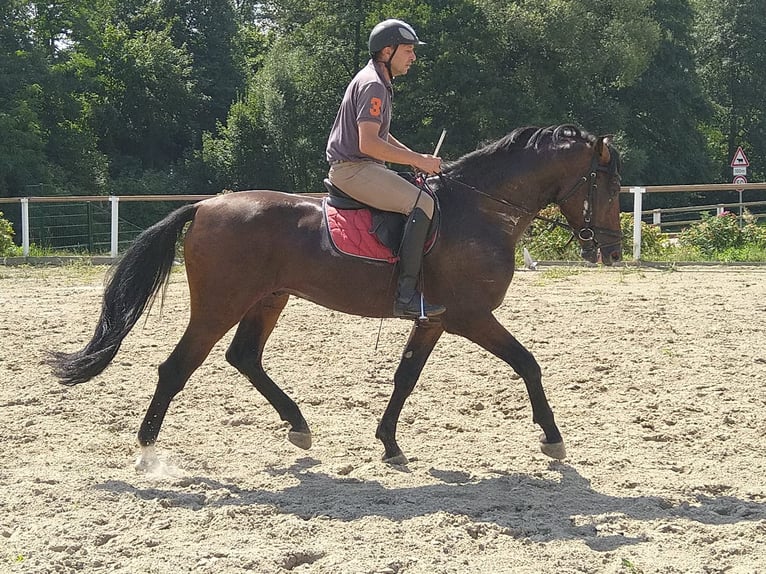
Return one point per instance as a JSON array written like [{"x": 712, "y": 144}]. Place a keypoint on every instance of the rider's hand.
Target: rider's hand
[{"x": 429, "y": 164}]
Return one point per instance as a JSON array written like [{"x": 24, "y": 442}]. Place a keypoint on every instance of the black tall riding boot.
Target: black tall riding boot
[{"x": 407, "y": 303}]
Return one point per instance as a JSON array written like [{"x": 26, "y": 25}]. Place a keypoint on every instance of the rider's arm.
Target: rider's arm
[
  {"x": 393, "y": 141},
  {"x": 393, "y": 151}
]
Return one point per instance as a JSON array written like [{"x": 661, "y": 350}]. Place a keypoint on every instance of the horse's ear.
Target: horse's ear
[{"x": 602, "y": 148}]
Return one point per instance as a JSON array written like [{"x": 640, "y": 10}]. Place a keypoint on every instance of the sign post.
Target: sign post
[{"x": 739, "y": 165}]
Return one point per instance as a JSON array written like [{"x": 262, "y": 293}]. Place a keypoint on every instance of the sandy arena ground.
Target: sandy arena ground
[{"x": 657, "y": 379}]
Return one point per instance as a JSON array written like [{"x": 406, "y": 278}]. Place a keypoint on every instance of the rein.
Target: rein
[
  {"x": 587, "y": 232},
  {"x": 554, "y": 222}
]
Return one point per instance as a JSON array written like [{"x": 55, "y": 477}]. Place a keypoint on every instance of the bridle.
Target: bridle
[{"x": 588, "y": 233}]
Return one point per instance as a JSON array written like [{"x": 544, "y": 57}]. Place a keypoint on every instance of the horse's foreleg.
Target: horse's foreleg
[
  {"x": 491, "y": 335},
  {"x": 246, "y": 352},
  {"x": 423, "y": 338}
]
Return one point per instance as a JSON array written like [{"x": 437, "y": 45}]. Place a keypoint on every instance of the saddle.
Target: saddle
[{"x": 359, "y": 230}]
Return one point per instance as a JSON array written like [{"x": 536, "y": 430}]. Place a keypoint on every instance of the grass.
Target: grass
[
  {"x": 629, "y": 567},
  {"x": 560, "y": 272},
  {"x": 628, "y": 271},
  {"x": 685, "y": 254}
]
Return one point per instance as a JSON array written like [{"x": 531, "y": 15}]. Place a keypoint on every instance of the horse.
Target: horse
[{"x": 247, "y": 252}]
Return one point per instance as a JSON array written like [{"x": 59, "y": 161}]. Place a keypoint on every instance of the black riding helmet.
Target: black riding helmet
[{"x": 391, "y": 32}]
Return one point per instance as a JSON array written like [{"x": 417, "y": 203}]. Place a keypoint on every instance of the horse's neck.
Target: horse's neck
[{"x": 526, "y": 193}]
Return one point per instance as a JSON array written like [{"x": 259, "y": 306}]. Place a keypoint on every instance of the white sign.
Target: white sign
[
  {"x": 739, "y": 170},
  {"x": 739, "y": 179},
  {"x": 739, "y": 159}
]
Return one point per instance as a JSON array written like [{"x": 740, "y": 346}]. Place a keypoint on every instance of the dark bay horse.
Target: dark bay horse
[{"x": 247, "y": 252}]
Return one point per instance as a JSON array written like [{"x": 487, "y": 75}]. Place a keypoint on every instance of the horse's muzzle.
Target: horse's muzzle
[
  {"x": 590, "y": 253},
  {"x": 611, "y": 254},
  {"x": 608, "y": 255}
]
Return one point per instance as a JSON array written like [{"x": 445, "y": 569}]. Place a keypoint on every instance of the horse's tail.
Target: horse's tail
[{"x": 131, "y": 288}]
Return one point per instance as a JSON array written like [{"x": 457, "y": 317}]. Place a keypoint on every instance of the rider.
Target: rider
[{"x": 360, "y": 143}]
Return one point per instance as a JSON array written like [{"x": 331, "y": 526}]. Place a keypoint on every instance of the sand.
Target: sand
[{"x": 657, "y": 379}]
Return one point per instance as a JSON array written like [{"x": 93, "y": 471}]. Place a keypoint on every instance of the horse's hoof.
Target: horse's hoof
[
  {"x": 300, "y": 439},
  {"x": 553, "y": 449},
  {"x": 147, "y": 461},
  {"x": 398, "y": 459}
]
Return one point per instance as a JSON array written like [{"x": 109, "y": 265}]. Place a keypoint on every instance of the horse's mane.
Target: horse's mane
[{"x": 527, "y": 137}]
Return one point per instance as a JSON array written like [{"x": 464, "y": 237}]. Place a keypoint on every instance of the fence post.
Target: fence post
[
  {"x": 89, "y": 219},
  {"x": 657, "y": 217},
  {"x": 637, "y": 192},
  {"x": 741, "y": 212},
  {"x": 115, "y": 228},
  {"x": 25, "y": 226}
]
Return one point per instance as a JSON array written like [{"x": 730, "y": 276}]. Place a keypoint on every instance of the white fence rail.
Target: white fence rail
[
  {"x": 637, "y": 191},
  {"x": 114, "y": 200},
  {"x": 719, "y": 208}
]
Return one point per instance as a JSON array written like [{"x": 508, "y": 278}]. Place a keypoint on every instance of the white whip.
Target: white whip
[{"x": 439, "y": 144}]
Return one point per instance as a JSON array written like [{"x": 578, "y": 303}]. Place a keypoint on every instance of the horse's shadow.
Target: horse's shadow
[{"x": 518, "y": 505}]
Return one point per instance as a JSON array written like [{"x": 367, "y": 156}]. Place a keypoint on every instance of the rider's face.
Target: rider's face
[{"x": 403, "y": 59}]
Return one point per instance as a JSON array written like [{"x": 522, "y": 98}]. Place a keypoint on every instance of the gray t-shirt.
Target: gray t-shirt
[{"x": 367, "y": 99}]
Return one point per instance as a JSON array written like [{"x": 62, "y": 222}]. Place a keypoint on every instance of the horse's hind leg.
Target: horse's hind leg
[
  {"x": 423, "y": 338},
  {"x": 188, "y": 355},
  {"x": 487, "y": 332},
  {"x": 246, "y": 352}
]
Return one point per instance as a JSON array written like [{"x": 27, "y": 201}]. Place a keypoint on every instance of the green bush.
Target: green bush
[
  {"x": 553, "y": 243},
  {"x": 549, "y": 242},
  {"x": 7, "y": 247},
  {"x": 713, "y": 234},
  {"x": 753, "y": 234},
  {"x": 654, "y": 243}
]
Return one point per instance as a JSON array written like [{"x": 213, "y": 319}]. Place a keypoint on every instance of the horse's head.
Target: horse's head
[
  {"x": 591, "y": 205},
  {"x": 562, "y": 164}
]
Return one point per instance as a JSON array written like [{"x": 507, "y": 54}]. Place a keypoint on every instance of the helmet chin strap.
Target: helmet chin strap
[{"x": 387, "y": 63}]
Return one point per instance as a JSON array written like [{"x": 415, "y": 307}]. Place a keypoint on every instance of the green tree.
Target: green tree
[
  {"x": 44, "y": 103},
  {"x": 456, "y": 83},
  {"x": 323, "y": 44},
  {"x": 145, "y": 113},
  {"x": 567, "y": 60},
  {"x": 23, "y": 70},
  {"x": 242, "y": 155},
  {"x": 208, "y": 30},
  {"x": 731, "y": 35},
  {"x": 22, "y": 147},
  {"x": 667, "y": 107},
  {"x": 297, "y": 109},
  {"x": 161, "y": 96},
  {"x": 336, "y": 30},
  {"x": 7, "y": 247},
  {"x": 276, "y": 133}
]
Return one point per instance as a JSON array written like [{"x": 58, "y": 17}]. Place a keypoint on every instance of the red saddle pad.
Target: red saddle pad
[{"x": 351, "y": 233}]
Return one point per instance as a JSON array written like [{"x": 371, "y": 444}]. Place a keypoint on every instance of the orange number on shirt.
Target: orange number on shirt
[{"x": 375, "y": 104}]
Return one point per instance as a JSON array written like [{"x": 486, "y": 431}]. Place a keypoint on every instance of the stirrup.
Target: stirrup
[{"x": 417, "y": 308}]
